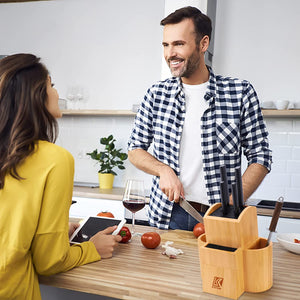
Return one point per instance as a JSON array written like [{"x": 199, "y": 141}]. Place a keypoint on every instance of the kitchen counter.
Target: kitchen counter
[
  {"x": 135, "y": 272},
  {"x": 269, "y": 212},
  {"x": 116, "y": 193}
]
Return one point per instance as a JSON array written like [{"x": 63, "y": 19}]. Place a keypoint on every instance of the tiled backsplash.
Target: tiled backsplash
[
  {"x": 284, "y": 178},
  {"x": 81, "y": 134}
]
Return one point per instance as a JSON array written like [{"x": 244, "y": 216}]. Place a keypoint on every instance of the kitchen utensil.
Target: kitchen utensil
[
  {"x": 235, "y": 200},
  {"x": 224, "y": 197},
  {"x": 275, "y": 217},
  {"x": 234, "y": 259},
  {"x": 190, "y": 209},
  {"x": 239, "y": 184},
  {"x": 287, "y": 241},
  {"x": 224, "y": 189}
]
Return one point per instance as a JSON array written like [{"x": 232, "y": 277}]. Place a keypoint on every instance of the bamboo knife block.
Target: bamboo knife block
[{"x": 233, "y": 258}]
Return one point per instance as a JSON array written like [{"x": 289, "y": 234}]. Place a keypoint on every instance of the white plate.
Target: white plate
[{"x": 287, "y": 241}]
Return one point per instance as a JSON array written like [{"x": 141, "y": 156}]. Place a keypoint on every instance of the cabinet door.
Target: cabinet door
[{"x": 91, "y": 207}]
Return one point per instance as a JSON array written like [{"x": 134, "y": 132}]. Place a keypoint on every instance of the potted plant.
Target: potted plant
[{"x": 108, "y": 159}]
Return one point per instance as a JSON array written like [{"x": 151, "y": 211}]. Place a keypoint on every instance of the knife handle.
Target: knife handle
[
  {"x": 223, "y": 173},
  {"x": 224, "y": 197},
  {"x": 235, "y": 199},
  {"x": 239, "y": 183},
  {"x": 276, "y": 214}
]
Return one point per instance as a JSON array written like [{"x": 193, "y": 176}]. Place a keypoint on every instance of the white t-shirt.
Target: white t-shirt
[{"x": 190, "y": 156}]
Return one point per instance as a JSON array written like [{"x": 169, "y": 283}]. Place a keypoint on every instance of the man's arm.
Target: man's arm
[
  {"x": 168, "y": 183},
  {"x": 252, "y": 178}
]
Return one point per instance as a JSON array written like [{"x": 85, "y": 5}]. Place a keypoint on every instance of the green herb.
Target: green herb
[{"x": 110, "y": 157}]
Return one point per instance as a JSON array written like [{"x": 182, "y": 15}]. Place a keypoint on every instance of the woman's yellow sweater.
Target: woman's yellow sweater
[{"x": 34, "y": 215}]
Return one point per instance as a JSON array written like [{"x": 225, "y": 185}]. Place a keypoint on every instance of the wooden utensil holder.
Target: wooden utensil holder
[{"x": 233, "y": 258}]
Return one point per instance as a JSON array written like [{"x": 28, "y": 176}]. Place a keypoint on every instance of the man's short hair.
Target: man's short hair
[{"x": 201, "y": 21}]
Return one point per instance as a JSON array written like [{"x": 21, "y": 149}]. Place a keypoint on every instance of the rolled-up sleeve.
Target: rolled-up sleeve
[
  {"x": 254, "y": 135},
  {"x": 142, "y": 132}
]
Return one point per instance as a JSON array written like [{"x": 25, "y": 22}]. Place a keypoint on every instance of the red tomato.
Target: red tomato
[
  {"x": 150, "y": 240},
  {"x": 125, "y": 234},
  {"x": 105, "y": 214},
  {"x": 198, "y": 229}
]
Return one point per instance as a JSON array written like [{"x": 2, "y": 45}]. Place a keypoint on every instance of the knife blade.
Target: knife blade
[{"x": 190, "y": 209}]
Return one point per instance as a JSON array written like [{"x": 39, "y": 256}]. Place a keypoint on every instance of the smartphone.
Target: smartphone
[{"x": 91, "y": 225}]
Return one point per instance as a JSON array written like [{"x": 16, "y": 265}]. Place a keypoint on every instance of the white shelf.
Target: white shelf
[
  {"x": 129, "y": 113},
  {"x": 281, "y": 113},
  {"x": 98, "y": 112}
]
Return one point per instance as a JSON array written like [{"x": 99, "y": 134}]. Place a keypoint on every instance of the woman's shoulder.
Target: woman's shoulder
[{"x": 52, "y": 151}]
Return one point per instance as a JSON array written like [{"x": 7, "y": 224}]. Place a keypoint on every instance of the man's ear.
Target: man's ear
[{"x": 204, "y": 43}]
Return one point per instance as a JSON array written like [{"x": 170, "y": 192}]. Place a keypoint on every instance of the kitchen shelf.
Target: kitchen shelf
[
  {"x": 281, "y": 112},
  {"x": 98, "y": 112},
  {"x": 129, "y": 113}
]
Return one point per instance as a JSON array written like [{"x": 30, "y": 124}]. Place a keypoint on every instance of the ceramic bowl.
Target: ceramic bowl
[
  {"x": 287, "y": 241},
  {"x": 282, "y": 104},
  {"x": 268, "y": 105}
]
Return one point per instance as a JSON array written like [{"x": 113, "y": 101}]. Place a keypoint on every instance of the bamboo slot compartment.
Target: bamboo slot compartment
[{"x": 233, "y": 259}]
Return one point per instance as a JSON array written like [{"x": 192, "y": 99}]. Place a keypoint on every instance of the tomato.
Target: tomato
[
  {"x": 105, "y": 214},
  {"x": 198, "y": 229},
  {"x": 125, "y": 234},
  {"x": 150, "y": 240},
  {"x": 297, "y": 241}
]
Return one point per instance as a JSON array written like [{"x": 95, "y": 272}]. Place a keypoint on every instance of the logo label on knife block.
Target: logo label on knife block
[{"x": 217, "y": 283}]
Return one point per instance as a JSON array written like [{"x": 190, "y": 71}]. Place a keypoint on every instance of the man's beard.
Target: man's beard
[{"x": 189, "y": 68}]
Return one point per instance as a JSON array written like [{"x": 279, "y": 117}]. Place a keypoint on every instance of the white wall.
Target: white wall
[
  {"x": 259, "y": 41},
  {"x": 255, "y": 40},
  {"x": 109, "y": 48}
]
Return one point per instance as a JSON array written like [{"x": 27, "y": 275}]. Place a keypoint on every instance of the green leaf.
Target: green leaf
[{"x": 110, "y": 157}]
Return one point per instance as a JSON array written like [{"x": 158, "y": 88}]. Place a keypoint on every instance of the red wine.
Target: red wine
[{"x": 133, "y": 205}]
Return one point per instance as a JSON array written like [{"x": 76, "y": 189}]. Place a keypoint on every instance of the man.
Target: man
[{"x": 197, "y": 121}]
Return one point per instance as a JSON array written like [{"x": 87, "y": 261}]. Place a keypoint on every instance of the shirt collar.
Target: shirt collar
[{"x": 211, "y": 88}]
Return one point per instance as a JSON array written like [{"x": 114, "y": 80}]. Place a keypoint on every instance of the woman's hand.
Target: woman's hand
[
  {"x": 72, "y": 228},
  {"x": 104, "y": 242}
]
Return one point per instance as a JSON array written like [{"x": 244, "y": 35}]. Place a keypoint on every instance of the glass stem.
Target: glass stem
[{"x": 133, "y": 220}]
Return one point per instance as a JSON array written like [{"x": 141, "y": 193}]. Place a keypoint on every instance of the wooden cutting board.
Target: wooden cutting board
[{"x": 179, "y": 236}]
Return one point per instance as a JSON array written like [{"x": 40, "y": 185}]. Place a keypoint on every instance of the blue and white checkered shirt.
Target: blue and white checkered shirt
[{"x": 232, "y": 122}]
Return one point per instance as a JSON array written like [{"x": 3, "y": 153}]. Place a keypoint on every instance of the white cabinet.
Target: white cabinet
[
  {"x": 91, "y": 207},
  {"x": 284, "y": 225}
]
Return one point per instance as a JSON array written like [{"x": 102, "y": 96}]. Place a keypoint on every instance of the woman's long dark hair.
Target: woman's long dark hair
[{"x": 24, "y": 118}]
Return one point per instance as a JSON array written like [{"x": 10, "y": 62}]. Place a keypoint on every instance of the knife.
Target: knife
[
  {"x": 224, "y": 190},
  {"x": 275, "y": 217},
  {"x": 239, "y": 184},
  {"x": 235, "y": 200},
  {"x": 190, "y": 209}
]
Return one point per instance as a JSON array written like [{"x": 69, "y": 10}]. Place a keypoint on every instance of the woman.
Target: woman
[{"x": 36, "y": 183}]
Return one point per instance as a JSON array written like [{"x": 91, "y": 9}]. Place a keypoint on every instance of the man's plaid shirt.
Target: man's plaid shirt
[{"x": 232, "y": 122}]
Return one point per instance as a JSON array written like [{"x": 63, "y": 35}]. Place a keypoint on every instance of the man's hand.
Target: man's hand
[
  {"x": 170, "y": 184},
  {"x": 104, "y": 242}
]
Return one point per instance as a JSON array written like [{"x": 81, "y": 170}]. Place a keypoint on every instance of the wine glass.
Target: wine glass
[
  {"x": 134, "y": 198},
  {"x": 71, "y": 97}
]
